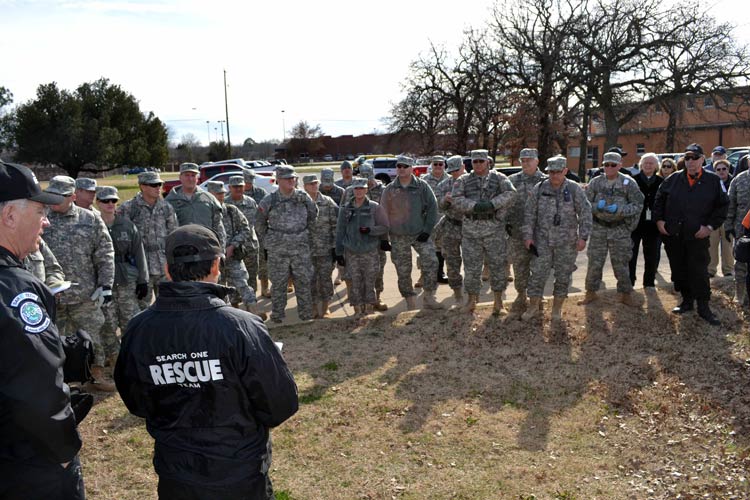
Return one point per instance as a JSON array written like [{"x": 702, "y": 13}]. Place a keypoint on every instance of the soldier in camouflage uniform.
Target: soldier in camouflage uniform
[
  {"x": 435, "y": 176},
  {"x": 322, "y": 247},
  {"x": 524, "y": 182},
  {"x": 483, "y": 196},
  {"x": 347, "y": 175},
  {"x": 556, "y": 225},
  {"x": 329, "y": 188},
  {"x": 361, "y": 223},
  {"x": 193, "y": 206},
  {"x": 85, "y": 193},
  {"x": 284, "y": 220},
  {"x": 257, "y": 193},
  {"x": 80, "y": 241},
  {"x": 411, "y": 209},
  {"x": 616, "y": 203},
  {"x": 249, "y": 209},
  {"x": 739, "y": 204},
  {"x": 131, "y": 271},
  {"x": 239, "y": 237},
  {"x": 155, "y": 219},
  {"x": 44, "y": 266},
  {"x": 448, "y": 230}
]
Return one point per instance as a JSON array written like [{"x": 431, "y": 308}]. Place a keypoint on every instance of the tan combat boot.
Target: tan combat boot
[
  {"x": 628, "y": 299},
  {"x": 379, "y": 305},
  {"x": 369, "y": 309},
  {"x": 471, "y": 303},
  {"x": 534, "y": 310},
  {"x": 458, "y": 295},
  {"x": 557, "y": 304},
  {"x": 411, "y": 303},
  {"x": 324, "y": 312},
  {"x": 518, "y": 307},
  {"x": 498, "y": 309},
  {"x": 429, "y": 301},
  {"x": 590, "y": 297},
  {"x": 101, "y": 382},
  {"x": 316, "y": 310},
  {"x": 265, "y": 291}
]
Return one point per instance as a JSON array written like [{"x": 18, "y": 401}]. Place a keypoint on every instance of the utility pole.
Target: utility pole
[
  {"x": 226, "y": 111},
  {"x": 208, "y": 132}
]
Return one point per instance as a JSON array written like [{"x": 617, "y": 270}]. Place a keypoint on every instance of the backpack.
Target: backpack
[
  {"x": 79, "y": 356},
  {"x": 742, "y": 249}
]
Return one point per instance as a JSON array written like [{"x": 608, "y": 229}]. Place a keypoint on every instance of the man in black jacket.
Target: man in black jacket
[
  {"x": 207, "y": 378},
  {"x": 689, "y": 205},
  {"x": 646, "y": 230},
  {"x": 39, "y": 442}
]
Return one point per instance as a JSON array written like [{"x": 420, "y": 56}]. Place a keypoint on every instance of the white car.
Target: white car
[{"x": 267, "y": 183}]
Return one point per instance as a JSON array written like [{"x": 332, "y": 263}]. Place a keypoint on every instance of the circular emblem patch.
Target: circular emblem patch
[{"x": 31, "y": 313}]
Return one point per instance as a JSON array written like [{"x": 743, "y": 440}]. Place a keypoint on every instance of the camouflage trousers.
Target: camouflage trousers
[
  {"x": 475, "y": 251},
  {"x": 262, "y": 262},
  {"x": 620, "y": 251},
  {"x": 283, "y": 265},
  {"x": 84, "y": 316},
  {"x": 382, "y": 258},
  {"x": 251, "y": 265},
  {"x": 235, "y": 275},
  {"x": 740, "y": 271},
  {"x": 363, "y": 269},
  {"x": 321, "y": 288},
  {"x": 401, "y": 246},
  {"x": 451, "y": 248},
  {"x": 117, "y": 313},
  {"x": 520, "y": 258},
  {"x": 562, "y": 258},
  {"x": 153, "y": 286}
]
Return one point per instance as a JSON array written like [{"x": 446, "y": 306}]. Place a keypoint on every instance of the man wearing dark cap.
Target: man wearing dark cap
[
  {"x": 718, "y": 153},
  {"x": 688, "y": 206},
  {"x": 347, "y": 175},
  {"x": 40, "y": 443},
  {"x": 328, "y": 186},
  {"x": 207, "y": 378}
]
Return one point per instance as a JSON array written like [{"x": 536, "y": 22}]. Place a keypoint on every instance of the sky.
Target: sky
[{"x": 334, "y": 63}]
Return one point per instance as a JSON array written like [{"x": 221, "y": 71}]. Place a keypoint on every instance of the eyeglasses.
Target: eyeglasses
[
  {"x": 692, "y": 158},
  {"x": 721, "y": 169},
  {"x": 478, "y": 161},
  {"x": 156, "y": 185},
  {"x": 400, "y": 165},
  {"x": 107, "y": 201},
  {"x": 611, "y": 164}
]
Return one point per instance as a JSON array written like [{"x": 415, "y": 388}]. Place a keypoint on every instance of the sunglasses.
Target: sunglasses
[
  {"x": 107, "y": 201},
  {"x": 403, "y": 166},
  {"x": 692, "y": 158},
  {"x": 611, "y": 164},
  {"x": 439, "y": 164},
  {"x": 478, "y": 161},
  {"x": 668, "y": 166},
  {"x": 157, "y": 185},
  {"x": 721, "y": 169}
]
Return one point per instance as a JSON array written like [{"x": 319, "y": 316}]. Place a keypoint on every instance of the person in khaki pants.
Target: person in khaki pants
[{"x": 720, "y": 241}]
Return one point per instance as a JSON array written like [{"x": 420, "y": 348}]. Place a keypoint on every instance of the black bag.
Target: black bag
[
  {"x": 742, "y": 249},
  {"x": 81, "y": 403},
  {"x": 79, "y": 356}
]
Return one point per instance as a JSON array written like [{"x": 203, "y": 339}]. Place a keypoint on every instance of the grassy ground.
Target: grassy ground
[{"x": 609, "y": 404}]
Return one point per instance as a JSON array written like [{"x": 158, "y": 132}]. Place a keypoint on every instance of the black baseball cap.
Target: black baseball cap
[
  {"x": 193, "y": 235},
  {"x": 694, "y": 148},
  {"x": 19, "y": 183}
]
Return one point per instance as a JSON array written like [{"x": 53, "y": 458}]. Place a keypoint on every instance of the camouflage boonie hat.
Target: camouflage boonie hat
[
  {"x": 556, "y": 164},
  {"x": 437, "y": 158},
  {"x": 359, "y": 182},
  {"x": 326, "y": 177},
  {"x": 215, "y": 187},
  {"x": 345, "y": 164},
  {"x": 454, "y": 163},
  {"x": 309, "y": 179},
  {"x": 237, "y": 180},
  {"x": 285, "y": 172},
  {"x": 249, "y": 175},
  {"x": 107, "y": 193},
  {"x": 612, "y": 158},
  {"x": 404, "y": 160},
  {"x": 149, "y": 178},
  {"x": 86, "y": 184},
  {"x": 190, "y": 167},
  {"x": 529, "y": 153},
  {"x": 480, "y": 154},
  {"x": 366, "y": 172},
  {"x": 62, "y": 184}
]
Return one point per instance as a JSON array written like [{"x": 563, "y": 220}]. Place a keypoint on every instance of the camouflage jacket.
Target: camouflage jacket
[
  {"x": 739, "y": 202},
  {"x": 557, "y": 217},
  {"x": 351, "y": 218},
  {"x": 249, "y": 209},
  {"x": 80, "y": 241},
  {"x": 524, "y": 185},
  {"x": 239, "y": 232},
  {"x": 323, "y": 231},
  {"x": 201, "y": 208},
  {"x": 469, "y": 189},
  {"x": 130, "y": 258},
  {"x": 342, "y": 183},
  {"x": 374, "y": 192},
  {"x": 284, "y": 221},
  {"x": 628, "y": 197},
  {"x": 410, "y": 209},
  {"x": 154, "y": 223},
  {"x": 448, "y": 207},
  {"x": 336, "y": 193},
  {"x": 257, "y": 193},
  {"x": 44, "y": 265}
]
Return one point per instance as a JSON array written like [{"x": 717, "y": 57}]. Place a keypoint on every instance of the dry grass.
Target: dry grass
[{"x": 610, "y": 404}]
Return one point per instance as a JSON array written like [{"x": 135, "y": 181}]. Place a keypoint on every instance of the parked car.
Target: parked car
[
  {"x": 385, "y": 169},
  {"x": 328, "y": 158},
  {"x": 267, "y": 183},
  {"x": 736, "y": 155}
]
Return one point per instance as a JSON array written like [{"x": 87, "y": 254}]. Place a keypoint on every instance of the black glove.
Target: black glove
[
  {"x": 385, "y": 245},
  {"x": 509, "y": 229},
  {"x": 141, "y": 290},
  {"x": 107, "y": 293},
  {"x": 484, "y": 207},
  {"x": 423, "y": 237},
  {"x": 364, "y": 230},
  {"x": 333, "y": 255},
  {"x": 729, "y": 235},
  {"x": 340, "y": 260}
]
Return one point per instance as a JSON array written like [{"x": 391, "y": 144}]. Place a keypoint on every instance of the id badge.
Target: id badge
[{"x": 648, "y": 214}]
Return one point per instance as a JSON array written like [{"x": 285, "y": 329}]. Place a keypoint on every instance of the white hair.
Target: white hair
[{"x": 646, "y": 156}]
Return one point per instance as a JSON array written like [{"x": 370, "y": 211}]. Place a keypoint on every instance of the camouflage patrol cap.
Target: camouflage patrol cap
[
  {"x": 285, "y": 172},
  {"x": 529, "y": 153},
  {"x": 215, "y": 187},
  {"x": 454, "y": 163},
  {"x": 359, "y": 182},
  {"x": 480, "y": 154},
  {"x": 612, "y": 157},
  {"x": 107, "y": 193},
  {"x": 366, "y": 171},
  {"x": 309, "y": 179},
  {"x": 86, "y": 184},
  {"x": 326, "y": 177},
  {"x": 345, "y": 164},
  {"x": 149, "y": 178},
  {"x": 202, "y": 239},
  {"x": 556, "y": 164},
  {"x": 405, "y": 160},
  {"x": 437, "y": 158},
  {"x": 249, "y": 175},
  {"x": 62, "y": 184},
  {"x": 237, "y": 180},
  {"x": 190, "y": 167}
]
